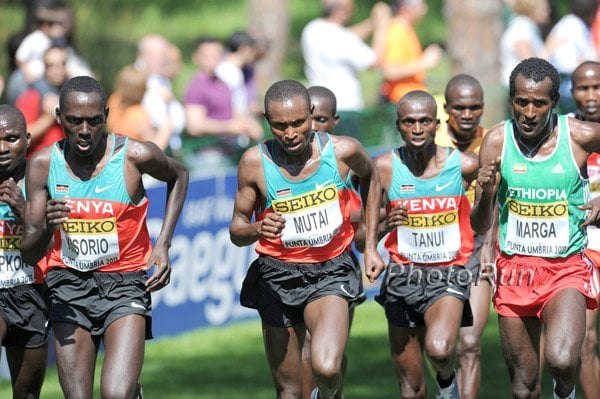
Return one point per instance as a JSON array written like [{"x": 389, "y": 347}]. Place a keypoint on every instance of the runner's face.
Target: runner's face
[
  {"x": 324, "y": 118},
  {"x": 83, "y": 116},
  {"x": 532, "y": 106},
  {"x": 586, "y": 92},
  {"x": 464, "y": 109},
  {"x": 417, "y": 124},
  {"x": 290, "y": 123},
  {"x": 13, "y": 145}
]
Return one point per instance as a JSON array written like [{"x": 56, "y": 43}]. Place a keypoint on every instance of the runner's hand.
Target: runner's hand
[
  {"x": 271, "y": 226},
  {"x": 374, "y": 264},
  {"x": 488, "y": 176},
  {"x": 593, "y": 213},
  {"x": 159, "y": 259},
  {"x": 12, "y": 194}
]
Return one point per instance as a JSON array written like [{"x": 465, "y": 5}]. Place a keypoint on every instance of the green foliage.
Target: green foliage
[{"x": 229, "y": 363}]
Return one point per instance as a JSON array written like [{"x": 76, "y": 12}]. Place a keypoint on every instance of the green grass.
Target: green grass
[{"x": 229, "y": 363}]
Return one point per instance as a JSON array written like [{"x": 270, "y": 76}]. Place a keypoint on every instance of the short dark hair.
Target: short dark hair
[
  {"x": 205, "y": 39},
  {"x": 581, "y": 66},
  {"x": 461, "y": 80},
  {"x": 10, "y": 112},
  {"x": 324, "y": 93},
  {"x": 418, "y": 95},
  {"x": 584, "y": 9},
  {"x": 239, "y": 39},
  {"x": 285, "y": 89},
  {"x": 536, "y": 69},
  {"x": 84, "y": 84}
]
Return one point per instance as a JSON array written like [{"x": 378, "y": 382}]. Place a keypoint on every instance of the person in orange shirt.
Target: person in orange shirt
[
  {"x": 404, "y": 61},
  {"x": 127, "y": 114}
]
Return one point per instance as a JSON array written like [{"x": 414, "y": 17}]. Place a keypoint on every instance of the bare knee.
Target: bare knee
[
  {"x": 326, "y": 369},
  {"x": 469, "y": 345},
  {"x": 119, "y": 391},
  {"x": 522, "y": 391},
  {"x": 439, "y": 349},
  {"x": 561, "y": 360}
]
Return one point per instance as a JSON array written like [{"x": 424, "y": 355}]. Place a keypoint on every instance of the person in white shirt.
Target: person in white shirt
[
  {"x": 522, "y": 37},
  {"x": 335, "y": 54},
  {"x": 569, "y": 44}
]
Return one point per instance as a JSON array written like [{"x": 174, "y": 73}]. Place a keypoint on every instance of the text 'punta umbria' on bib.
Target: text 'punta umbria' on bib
[
  {"x": 13, "y": 271},
  {"x": 539, "y": 200},
  {"x": 92, "y": 242}
]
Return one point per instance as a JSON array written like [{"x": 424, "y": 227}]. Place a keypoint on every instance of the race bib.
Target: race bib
[
  {"x": 311, "y": 219},
  {"x": 13, "y": 271},
  {"x": 430, "y": 238},
  {"x": 537, "y": 229},
  {"x": 88, "y": 244}
]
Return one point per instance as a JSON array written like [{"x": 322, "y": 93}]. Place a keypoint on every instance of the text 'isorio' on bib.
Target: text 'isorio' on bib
[{"x": 88, "y": 244}]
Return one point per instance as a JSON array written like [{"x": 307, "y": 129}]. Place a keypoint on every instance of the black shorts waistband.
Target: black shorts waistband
[
  {"x": 274, "y": 262},
  {"x": 112, "y": 276}
]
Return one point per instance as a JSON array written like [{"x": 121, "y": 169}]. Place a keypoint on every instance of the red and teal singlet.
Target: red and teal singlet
[
  {"x": 105, "y": 231},
  {"x": 438, "y": 229},
  {"x": 316, "y": 209}
]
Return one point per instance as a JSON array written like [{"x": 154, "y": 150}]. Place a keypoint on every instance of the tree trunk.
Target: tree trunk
[
  {"x": 473, "y": 43},
  {"x": 269, "y": 22}
]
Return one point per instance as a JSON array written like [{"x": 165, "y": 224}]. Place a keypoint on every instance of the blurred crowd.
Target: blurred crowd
[{"x": 219, "y": 114}]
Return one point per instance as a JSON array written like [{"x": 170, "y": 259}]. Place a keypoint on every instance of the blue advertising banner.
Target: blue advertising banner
[{"x": 207, "y": 269}]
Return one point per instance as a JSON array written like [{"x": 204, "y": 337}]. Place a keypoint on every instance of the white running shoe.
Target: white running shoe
[
  {"x": 555, "y": 396},
  {"x": 314, "y": 394},
  {"x": 450, "y": 392}
]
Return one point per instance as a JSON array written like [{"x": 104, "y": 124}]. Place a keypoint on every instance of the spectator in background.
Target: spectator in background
[
  {"x": 157, "y": 58},
  {"x": 522, "y": 37},
  {"x": 249, "y": 71},
  {"x": 404, "y": 61},
  {"x": 127, "y": 114},
  {"x": 241, "y": 52},
  {"x": 29, "y": 55},
  {"x": 569, "y": 44},
  {"x": 211, "y": 123},
  {"x": 40, "y": 100},
  {"x": 334, "y": 55}
]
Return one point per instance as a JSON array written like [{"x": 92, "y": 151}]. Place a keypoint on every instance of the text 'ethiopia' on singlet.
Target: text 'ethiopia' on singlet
[
  {"x": 317, "y": 221},
  {"x": 539, "y": 199},
  {"x": 13, "y": 271},
  {"x": 437, "y": 230},
  {"x": 105, "y": 231}
]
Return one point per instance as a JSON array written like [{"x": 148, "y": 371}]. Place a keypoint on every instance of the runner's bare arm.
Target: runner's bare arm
[
  {"x": 354, "y": 155},
  {"x": 487, "y": 180},
  {"x": 242, "y": 230},
  {"x": 149, "y": 159},
  {"x": 42, "y": 214}
]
